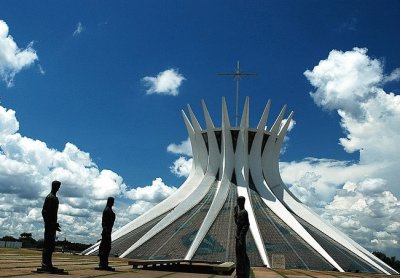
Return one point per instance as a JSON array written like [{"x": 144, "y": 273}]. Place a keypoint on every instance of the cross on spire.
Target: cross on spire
[{"x": 237, "y": 75}]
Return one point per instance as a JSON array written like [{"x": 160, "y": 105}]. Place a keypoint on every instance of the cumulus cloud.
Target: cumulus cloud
[
  {"x": 182, "y": 166},
  {"x": 79, "y": 29},
  {"x": 369, "y": 207},
  {"x": 165, "y": 83},
  {"x": 139, "y": 207},
  {"x": 184, "y": 148},
  {"x": 147, "y": 197},
  {"x": 28, "y": 166},
  {"x": 315, "y": 180},
  {"x": 12, "y": 58},
  {"x": 358, "y": 197},
  {"x": 351, "y": 83},
  {"x": 154, "y": 193}
]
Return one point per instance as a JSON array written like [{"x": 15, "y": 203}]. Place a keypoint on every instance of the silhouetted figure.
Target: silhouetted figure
[
  {"x": 242, "y": 226},
  {"x": 49, "y": 213},
  {"x": 105, "y": 245}
]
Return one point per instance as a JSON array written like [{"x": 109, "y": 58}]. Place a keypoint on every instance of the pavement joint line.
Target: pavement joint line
[
  {"x": 103, "y": 275},
  {"x": 165, "y": 275},
  {"x": 277, "y": 272}
]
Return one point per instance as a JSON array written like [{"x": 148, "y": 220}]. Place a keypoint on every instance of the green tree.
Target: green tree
[
  {"x": 27, "y": 240},
  {"x": 8, "y": 238},
  {"x": 390, "y": 261}
]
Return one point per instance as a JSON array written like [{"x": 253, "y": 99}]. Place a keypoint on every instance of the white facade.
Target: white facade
[{"x": 195, "y": 222}]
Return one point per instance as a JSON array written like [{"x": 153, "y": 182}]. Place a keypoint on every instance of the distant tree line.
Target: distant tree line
[
  {"x": 390, "y": 261},
  {"x": 63, "y": 245}
]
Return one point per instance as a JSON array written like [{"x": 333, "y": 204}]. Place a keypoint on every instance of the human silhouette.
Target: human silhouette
[
  {"x": 49, "y": 213},
  {"x": 242, "y": 226},
  {"x": 107, "y": 223}
]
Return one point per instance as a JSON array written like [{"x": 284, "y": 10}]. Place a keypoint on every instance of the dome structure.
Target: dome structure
[{"x": 196, "y": 223}]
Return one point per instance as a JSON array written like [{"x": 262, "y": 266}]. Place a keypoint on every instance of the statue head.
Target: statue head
[
  {"x": 110, "y": 202},
  {"x": 240, "y": 202},
  {"x": 55, "y": 186}
]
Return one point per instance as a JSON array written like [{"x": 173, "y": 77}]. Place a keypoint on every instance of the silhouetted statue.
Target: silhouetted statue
[
  {"x": 49, "y": 213},
  {"x": 107, "y": 223},
  {"x": 242, "y": 226}
]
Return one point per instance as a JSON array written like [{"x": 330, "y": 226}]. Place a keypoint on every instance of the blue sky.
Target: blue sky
[{"x": 83, "y": 83}]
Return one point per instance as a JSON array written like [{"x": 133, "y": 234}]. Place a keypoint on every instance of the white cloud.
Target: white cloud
[
  {"x": 315, "y": 181},
  {"x": 28, "y": 166},
  {"x": 394, "y": 76},
  {"x": 184, "y": 148},
  {"x": 351, "y": 83},
  {"x": 182, "y": 166},
  {"x": 345, "y": 79},
  {"x": 140, "y": 207},
  {"x": 79, "y": 29},
  {"x": 154, "y": 193},
  {"x": 361, "y": 206},
  {"x": 361, "y": 198},
  {"x": 165, "y": 83},
  {"x": 12, "y": 58},
  {"x": 146, "y": 197},
  {"x": 8, "y": 122}
]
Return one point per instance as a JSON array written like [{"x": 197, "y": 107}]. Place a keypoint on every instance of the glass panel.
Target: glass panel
[
  {"x": 174, "y": 241},
  {"x": 279, "y": 238},
  {"x": 345, "y": 258},
  {"x": 219, "y": 243}
]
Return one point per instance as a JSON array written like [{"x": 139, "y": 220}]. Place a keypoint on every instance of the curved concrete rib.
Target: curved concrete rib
[
  {"x": 223, "y": 186},
  {"x": 271, "y": 172},
  {"x": 203, "y": 155},
  {"x": 254, "y": 229},
  {"x": 274, "y": 204},
  {"x": 213, "y": 154},
  {"x": 242, "y": 170},
  {"x": 277, "y": 125},
  {"x": 263, "y": 120},
  {"x": 195, "y": 149}
]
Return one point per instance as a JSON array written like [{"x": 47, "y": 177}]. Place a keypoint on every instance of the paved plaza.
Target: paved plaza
[{"x": 22, "y": 263}]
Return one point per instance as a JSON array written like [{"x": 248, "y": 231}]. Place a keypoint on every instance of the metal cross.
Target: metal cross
[{"x": 237, "y": 75}]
